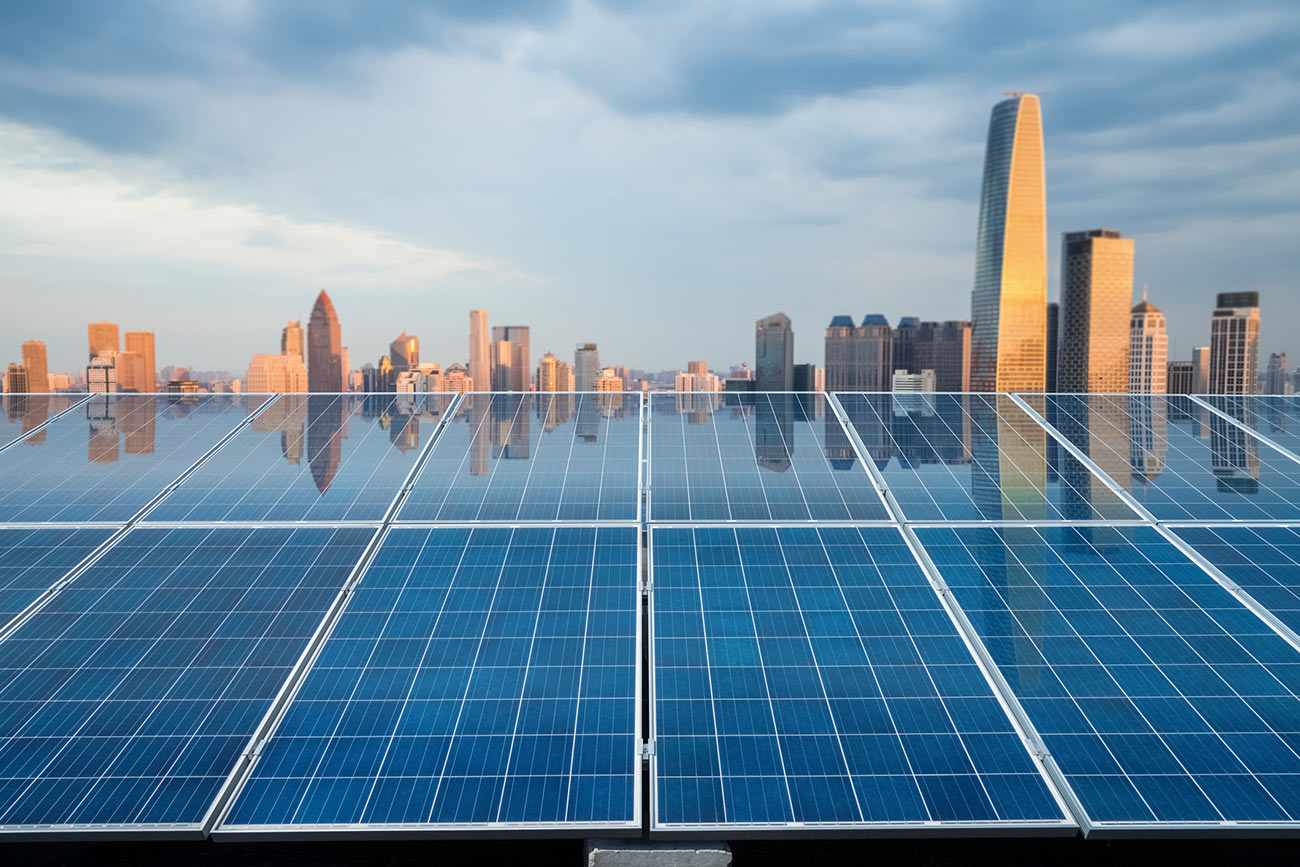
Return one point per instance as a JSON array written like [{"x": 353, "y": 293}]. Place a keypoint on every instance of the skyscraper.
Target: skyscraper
[
  {"x": 324, "y": 347},
  {"x": 1009, "y": 302},
  {"x": 273, "y": 374},
  {"x": 1053, "y": 346},
  {"x": 1180, "y": 377},
  {"x": 480, "y": 367},
  {"x": 586, "y": 367},
  {"x": 1276, "y": 382},
  {"x": 404, "y": 352},
  {"x": 1200, "y": 370},
  {"x": 501, "y": 365},
  {"x": 131, "y": 374},
  {"x": 141, "y": 343},
  {"x": 1148, "y": 349},
  {"x": 102, "y": 337},
  {"x": 774, "y": 354},
  {"x": 904, "y": 349},
  {"x": 546, "y": 373},
  {"x": 520, "y": 357},
  {"x": 16, "y": 380},
  {"x": 290, "y": 339},
  {"x": 1234, "y": 343},
  {"x": 861, "y": 358},
  {"x": 944, "y": 347},
  {"x": 38, "y": 380},
  {"x": 1096, "y": 312}
]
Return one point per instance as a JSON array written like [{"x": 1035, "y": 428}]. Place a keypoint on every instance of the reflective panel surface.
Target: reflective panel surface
[
  {"x": 1162, "y": 698},
  {"x": 533, "y": 457},
  {"x": 33, "y": 560},
  {"x": 324, "y": 457},
  {"x": 108, "y": 458},
  {"x": 483, "y": 677},
  {"x": 1178, "y": 459},
  {"x": 970, "y": 457},
  {"x": 1275, "y": 417},
  {"x": 718, "y": 456},
  {"x": 128, "y": 698},
  {"x": 1264, "y": 561},
  {"x": 810, "y": 675},
  {"x": 20, "y": 414}
]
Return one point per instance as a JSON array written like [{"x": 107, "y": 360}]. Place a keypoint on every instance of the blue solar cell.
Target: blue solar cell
[
  {"x": 810, "y": 676},
  {"x": 1178, "y": 459},
  {"x": 128, "y": 698},
  {"x": 745, "y": 457},
  {"x": 1275, "y": 417},
  {"x": 32, "y": 560},
  {"x": 106, "y": 460},
  {"x": 964, "y": 457},
  {"x": 311, "y": 458},
  {"x": 480, "y": 677},
  {"x": 1159, "y": 695},
  {"x": 1264, "y": 561},
  {"x": 533, "y": 457},
  {"x": 23, "y": 413}
]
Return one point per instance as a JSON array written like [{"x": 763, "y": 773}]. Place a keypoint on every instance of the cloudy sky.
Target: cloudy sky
[{"x": 653, "y": 176}]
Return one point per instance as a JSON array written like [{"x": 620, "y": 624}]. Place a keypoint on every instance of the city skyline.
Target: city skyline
[{"x": 836, "y": 178}]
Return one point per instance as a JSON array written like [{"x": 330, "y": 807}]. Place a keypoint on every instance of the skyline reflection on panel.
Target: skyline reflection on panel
[
  {"x": 745, "y": 457},
  {"x": 311, "y": 458},
  {"x": 110, "y": 457},
  {"x": 23, "y": 413},
  {"x": 1183, "y": 461},
  {"x": 975, "y": 457},
  {"x": 1275, "y": 417},
  {"x": 533, "y": 457}
]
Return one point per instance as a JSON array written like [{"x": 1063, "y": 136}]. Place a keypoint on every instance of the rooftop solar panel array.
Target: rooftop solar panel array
[{"x": 417, "y": 615}]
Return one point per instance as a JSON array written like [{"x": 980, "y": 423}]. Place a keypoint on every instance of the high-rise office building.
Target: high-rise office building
[
  {"x": 277, "y": 374},
  {"x": 141, "y": 343},
  {"x": 1009, "y": 301},
  {"x": 38, "y": 379},
  {"x": 101, "y": 373},
  {"x": 290, "y": 338},
  {"x": 480, "y": 364},
  {"x": 1180, "y": 377},
  {"x": 385, "y": 374},
  {"x": 1277, "y": 381},
  {"x": 131, "y": 373},
  {"x": 805, "y": 378},
  {"x": 404, "y": 352},
  {"x": 324, "y": 347},
  {"x": 546, "y": 373},
  {"x": 609, "y": 380},
  {"x": 1201, "y": 370},
  {"x": 102, "y": 337},
  {"x": 563, "y": 376},
  {"x": 1096, "y": 312},
  {"x": 861, "y": 358},
  {"x": 944, "y": 347},
  {"x": 1148, "y": 349},
  {"x": 520, "y": 355},
  {"x": 1234, "y": 343},
  {"x": 904, "y": 349},
  {"x": 774, "y": 354},
  {"x": 502, "y": 374},
  {"x": 586, "y": 367},
  {"x": 1053, "y": 346},
  {"x": 16, "y": 380}
]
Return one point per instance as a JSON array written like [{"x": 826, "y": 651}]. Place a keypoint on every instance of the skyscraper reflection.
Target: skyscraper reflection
[
  {"x": 1009, "y": 454},
  {"x": 773, "y": 429},
  {"x": 325, "y": 432}
]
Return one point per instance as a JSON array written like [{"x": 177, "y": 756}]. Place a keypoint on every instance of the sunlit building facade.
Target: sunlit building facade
[
  {"x": 102, "y": 337},
  {"x": 1234, "y": 343},
  {"x": 324, "y": 347},
  {"x": 141, "y": 343},
  {"x": 1096, "y": 312},
  {"x": 38, "y": 379},
  {"x": 1148, "y": 350},
  {"x": 480, "y": 367}
]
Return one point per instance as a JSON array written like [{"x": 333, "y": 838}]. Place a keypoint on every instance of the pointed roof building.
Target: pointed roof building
[{"x": 324, "y": 347}]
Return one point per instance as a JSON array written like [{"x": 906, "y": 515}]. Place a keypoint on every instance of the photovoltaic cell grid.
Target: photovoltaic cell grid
[
  {"x": 746, "y": 457},
  {"x": 106, "y": 460},
  {"x": 533, "y": 457},
  {"x": 21, "y": 414},
  {"x": 973, "y": 457},
  {"x": 128, "y": 698},
  {"x": 1263, "y": 561},
  {"x": 1275, "y": 417},
  {"x": 1183, "y": 462},
  {"x": 810, "y": 677},
  {"x": 482, "y": 678},
  {"x": 34, "y": 559},
  {"x": 1162, "y": 698},
  {"x": 311, "y": 458}
]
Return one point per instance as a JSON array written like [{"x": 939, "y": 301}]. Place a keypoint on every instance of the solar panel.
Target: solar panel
[
  {"x": 323, "y": 457},
  {"x": 478, "y": 679},
  {"x": 969, "y": 457},
  {"x": 809, "y": 678},
  {"x": 533, "y": 457},
  {"x": 746, "y": 457},
  {"x": 107, "y": 459},
  {"x": 1264, "y": 561},
  {"x": 1181, "y": 461},
  {"x": 24, "y": 413},
  {"x": 127, "y": 699},
  {"x": 33, "y": 559},
  {"x": 1275, "y": 417},
  {"x": 1164, "y": 701}
]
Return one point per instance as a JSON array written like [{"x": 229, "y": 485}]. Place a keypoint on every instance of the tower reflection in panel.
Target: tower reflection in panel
[
  {"x": 1264, "y": 561},
  {"x": 321, "y": 457},
  {"x": 23, "y": 413},
  {"x": 107, "y": 459},
  {"x": 1275, "y": 417},
  {"x": 745, "y": 457},
  {"x": 810, "y": 676},
  {"x": 533, "y": 457},
  {"x": 964, "y": 457},
  {"x": 1161, "y": 697},
  {"x": 1184, "y": 462},
  {"x": 477, "y": 677}
]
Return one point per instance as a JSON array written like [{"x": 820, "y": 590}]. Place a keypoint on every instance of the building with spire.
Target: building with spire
[
  {"x": 1009, "y": 301},
  {"x": 1148, "y": 350},
  {"x": 324, "y": 347}
]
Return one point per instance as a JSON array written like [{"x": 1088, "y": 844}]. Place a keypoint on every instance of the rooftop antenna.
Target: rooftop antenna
[
  {"x": 1144, "y": 292},
  {"x": 1012, "y": 93}
]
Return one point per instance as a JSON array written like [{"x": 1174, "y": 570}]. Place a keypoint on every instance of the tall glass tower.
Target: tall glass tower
[
  {"x": 324, "y": 348},
  {"x": 1009, "y": 302}
]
